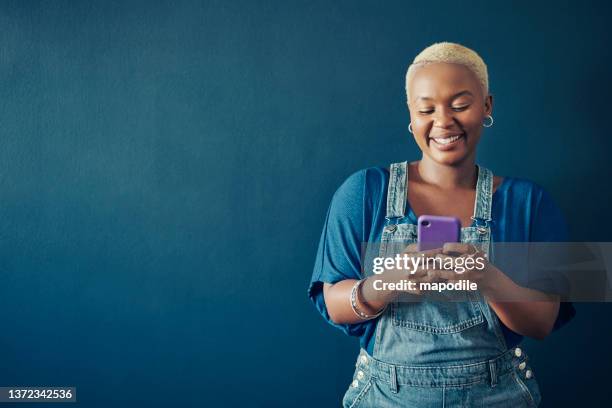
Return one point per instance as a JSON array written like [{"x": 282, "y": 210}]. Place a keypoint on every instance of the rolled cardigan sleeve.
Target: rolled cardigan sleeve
[
  {"x": 549, "y": 225},
  {"x": 339, "y": 252}
]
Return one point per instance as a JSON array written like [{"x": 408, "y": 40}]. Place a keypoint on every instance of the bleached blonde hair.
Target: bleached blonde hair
[{"x": 451, "y": 53}]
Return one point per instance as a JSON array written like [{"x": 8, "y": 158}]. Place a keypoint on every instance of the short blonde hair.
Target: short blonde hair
[{"x": 451, "y": 53}]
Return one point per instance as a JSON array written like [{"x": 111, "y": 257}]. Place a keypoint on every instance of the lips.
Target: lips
[{"x": 447, "y": 141}]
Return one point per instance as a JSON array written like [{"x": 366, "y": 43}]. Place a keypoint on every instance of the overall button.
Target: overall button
[
  {"x": 364, "y": 359},
  {"x": 522, "y": 365},
  {"x": 391, "y": 227},
  {"x": 360, "y": 375},
  {"x": 528, "y": 374},
  {"x": 355, "y": 384},
  {"x": 518, "y": 352},
  {"x": 481, "y": 230}
]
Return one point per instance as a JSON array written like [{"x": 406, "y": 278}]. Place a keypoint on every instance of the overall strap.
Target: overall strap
[
  {"x": 396, "y": 194},
  {"x": 484, "y": 195}
]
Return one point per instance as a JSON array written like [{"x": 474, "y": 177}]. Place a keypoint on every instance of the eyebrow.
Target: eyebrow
[{"x": 466, "y": 92}]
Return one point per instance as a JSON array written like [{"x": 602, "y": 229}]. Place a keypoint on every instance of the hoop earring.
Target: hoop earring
[
  {"x": 490, "y": 123},
  {"x": 410, "y": 127}
]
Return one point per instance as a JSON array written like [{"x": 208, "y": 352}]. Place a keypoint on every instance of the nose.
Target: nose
[{"x": 443, "y": 118}]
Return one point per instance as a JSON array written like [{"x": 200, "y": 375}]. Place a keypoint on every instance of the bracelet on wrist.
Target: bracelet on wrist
[{"x": 355, "y": 300}]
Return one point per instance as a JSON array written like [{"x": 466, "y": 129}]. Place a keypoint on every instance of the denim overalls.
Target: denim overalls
[{"x": 440, "y": 353}]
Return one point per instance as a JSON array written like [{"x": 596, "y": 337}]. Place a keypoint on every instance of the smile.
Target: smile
[{"x": 448, "y": 140}]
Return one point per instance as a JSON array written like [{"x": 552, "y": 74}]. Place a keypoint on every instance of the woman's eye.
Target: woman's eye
[{"x": 454, "y": 108}]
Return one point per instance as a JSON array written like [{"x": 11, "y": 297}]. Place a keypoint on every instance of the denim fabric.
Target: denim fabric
[
  {"x": 499, "y": 382},
  {"x": 522, "y": 212},
  {"x": 440, "y": 353}
]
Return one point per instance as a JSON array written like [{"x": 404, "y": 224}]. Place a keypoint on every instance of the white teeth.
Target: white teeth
[{"x": 447, "y": 140}]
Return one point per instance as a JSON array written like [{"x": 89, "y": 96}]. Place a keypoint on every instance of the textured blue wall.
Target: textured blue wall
[{"x": 165, "y": 169}]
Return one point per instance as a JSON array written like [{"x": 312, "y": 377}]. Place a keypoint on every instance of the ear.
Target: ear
[{"x": 488, "y": 104}]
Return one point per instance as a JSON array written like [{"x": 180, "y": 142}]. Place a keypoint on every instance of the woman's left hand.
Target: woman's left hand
[{"x": 525, "y": 311}]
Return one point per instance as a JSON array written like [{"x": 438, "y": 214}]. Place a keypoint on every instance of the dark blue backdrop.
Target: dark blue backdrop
[{"x": 165, "y": 169}]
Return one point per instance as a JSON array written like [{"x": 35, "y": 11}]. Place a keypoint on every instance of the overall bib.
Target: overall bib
[{"x": 440, "y": 353}]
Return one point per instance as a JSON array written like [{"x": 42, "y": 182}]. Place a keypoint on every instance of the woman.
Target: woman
[{"x": 431, "y": 353}]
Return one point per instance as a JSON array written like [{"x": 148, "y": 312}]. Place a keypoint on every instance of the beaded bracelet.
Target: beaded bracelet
[{"x": 354, "y": 296}]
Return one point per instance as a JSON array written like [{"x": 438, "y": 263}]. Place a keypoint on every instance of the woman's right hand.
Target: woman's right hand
[
  {"x": 394, "y": 276},
  {"x": 337, "y": 295}
]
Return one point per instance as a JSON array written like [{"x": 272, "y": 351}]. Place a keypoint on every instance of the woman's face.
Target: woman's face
[{"x": 447, "y": 109}]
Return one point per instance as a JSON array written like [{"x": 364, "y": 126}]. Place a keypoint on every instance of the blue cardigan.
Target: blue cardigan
[{"x": 522, "y": 212}]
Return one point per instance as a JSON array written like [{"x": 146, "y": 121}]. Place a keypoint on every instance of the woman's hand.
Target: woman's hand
[
  {"x": 472, "y": 264},
  {"x": 534, "y": 317},
  {"x": 371, "y": 300},
  {"x": 397, "y": 275}
]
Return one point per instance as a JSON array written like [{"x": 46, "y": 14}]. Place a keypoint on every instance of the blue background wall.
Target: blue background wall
[{"x": 165, "y": 169}]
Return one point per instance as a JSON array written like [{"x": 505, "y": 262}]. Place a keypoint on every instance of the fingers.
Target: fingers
[
  {"x": 444, "y": 275},
  {"x": 430, "y": 276},
  {"x": 458, "y": 248},
  {"x": 437, "y": 275},
  {"x": 449, "y": 248},
  {"x": 413, "y": 250},
  {"x": 424, "y": 276},
  {"x": 418, "y": 264}
]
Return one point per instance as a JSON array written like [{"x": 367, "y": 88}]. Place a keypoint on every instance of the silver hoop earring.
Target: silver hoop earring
[
  {"x": 490, "y": 123},
  {"x": 410, "y": 127}
]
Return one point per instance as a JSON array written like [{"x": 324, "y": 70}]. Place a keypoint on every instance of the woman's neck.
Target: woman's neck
[{"x": 463, "y": 175}]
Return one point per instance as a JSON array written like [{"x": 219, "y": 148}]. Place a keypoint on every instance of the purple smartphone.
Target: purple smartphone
[{"x": 434, "y": 231}]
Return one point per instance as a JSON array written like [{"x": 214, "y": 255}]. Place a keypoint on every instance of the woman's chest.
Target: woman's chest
[{"x": 455, "y": 203}]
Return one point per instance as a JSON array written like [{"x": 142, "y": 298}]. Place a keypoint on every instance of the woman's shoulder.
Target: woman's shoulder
[
  {"x": 526, "y": 195},
  {"x": 363, "y": 191},
  {"x": 369, "y": 180},
  {"x": 519, "y": 187}
]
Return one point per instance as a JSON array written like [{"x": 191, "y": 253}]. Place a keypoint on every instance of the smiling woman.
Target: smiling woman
[
  {"x": 431, "y": 353},
  {"x": 448, "y": 96}
]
